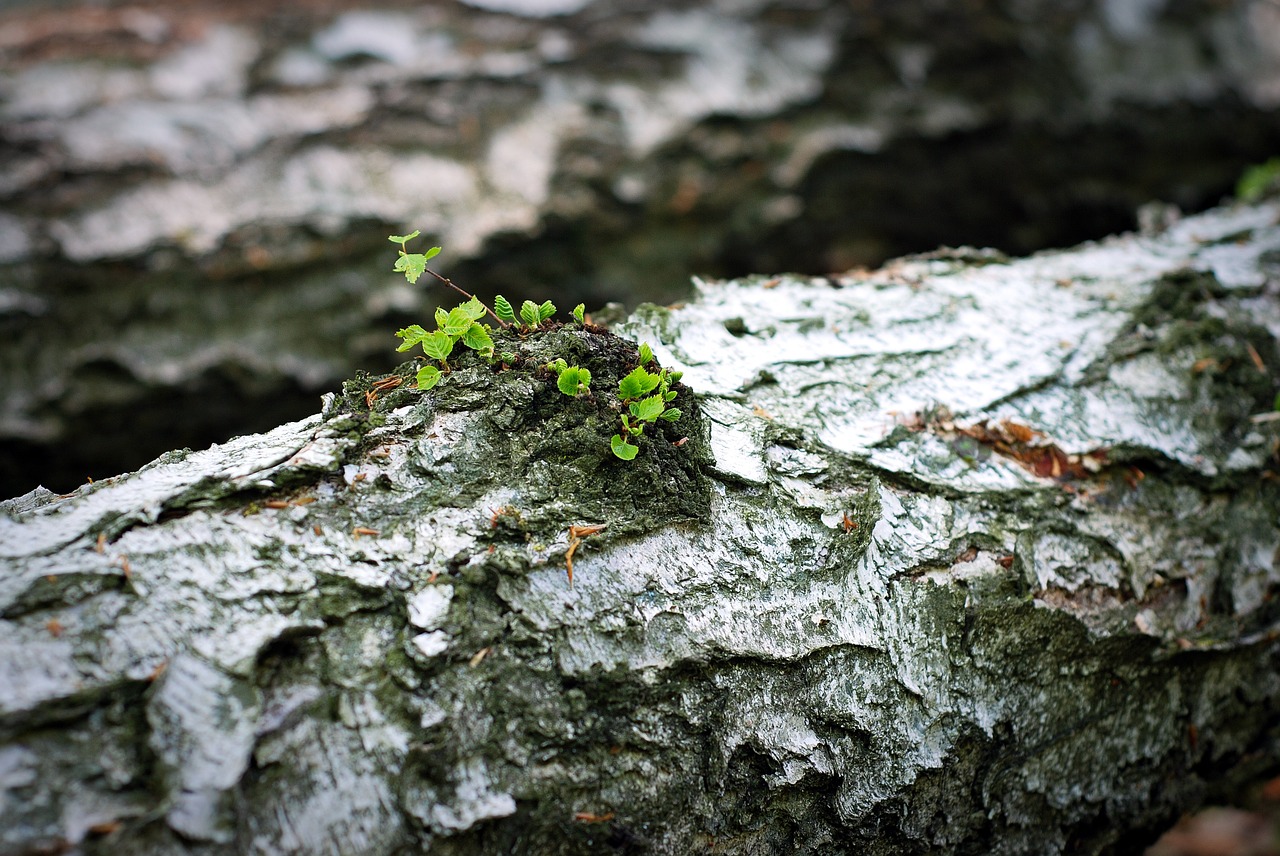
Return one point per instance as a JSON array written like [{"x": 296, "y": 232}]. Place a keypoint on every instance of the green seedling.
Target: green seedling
[
  {"x": 1258, "y": 181},
  {"x": 414, "y": 265},
  {"x": 646, "y": 396},
  {"x": 533, "y": 315},
  {"x": 460, "y": 324},
  {"x": 571, "y": 380}
]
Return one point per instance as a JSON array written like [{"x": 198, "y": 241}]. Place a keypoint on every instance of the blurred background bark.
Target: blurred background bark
[{"x": 196, "y": 195}]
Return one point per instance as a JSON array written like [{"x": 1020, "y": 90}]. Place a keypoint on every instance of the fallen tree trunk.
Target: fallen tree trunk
[{"x": 960, "y": 555}]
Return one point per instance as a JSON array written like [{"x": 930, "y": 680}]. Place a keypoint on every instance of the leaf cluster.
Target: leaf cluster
[
  {"x": 646, "y": 396},
  {"x": 462, "y": 323},
  {"x": 571, "y": 380}
]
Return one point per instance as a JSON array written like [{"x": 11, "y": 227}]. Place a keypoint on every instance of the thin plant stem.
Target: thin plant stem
[{"x": 449, "y": 283}]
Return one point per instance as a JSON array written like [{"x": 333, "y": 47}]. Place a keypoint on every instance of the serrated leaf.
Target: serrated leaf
[
  {"x": 442, "y": 318},
  {"x": 546, "y": 310},
  {"x": 412, "y": 335},
  {"x": 580, "y": 312},
  {"x": 477, "y": 338},
  {"x": 622, "y": 448},
  {"x": 474, "y": 308},
  {"x": 637, "y": 384},
  {"x": 428, "y": 376},
  {"x": 529, "y": 313},
  {"x": 646, "y": 353},
  {"x": 671, "y": 414},
  {"x": 674, "y": 377},
  {"x": 401, "y": 239},
  {"x": 438, "y": 345},
  {"x": 503, "y": 309},
  {"x": 458, "y": 322},
  {"x": 568, "y": 381},
  {"x": 648, "y": 409},
  {"x": 411, "y": 265},
  {"x": 668, "y": 396}
]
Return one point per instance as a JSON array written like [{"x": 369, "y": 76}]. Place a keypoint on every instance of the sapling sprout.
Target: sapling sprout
[
  {"x": 414, "y": 265},
  {"x": 533, "y": 315},
  {"x": 458, "y": 324},
  {"x": 644, "y": 395},
  {"x": 571, "y": 380},
  {"x": 643, "y": 408}
]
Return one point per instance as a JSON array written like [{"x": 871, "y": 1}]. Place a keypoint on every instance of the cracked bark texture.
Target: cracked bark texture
[
  {"x": 227, "y": 173},
  {"x": 965, "y": 554}
]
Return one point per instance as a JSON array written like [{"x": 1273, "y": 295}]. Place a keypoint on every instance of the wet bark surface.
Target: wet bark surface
[
  {"x": 196, "y": 196},
  {"x": 961, "y": 554}
]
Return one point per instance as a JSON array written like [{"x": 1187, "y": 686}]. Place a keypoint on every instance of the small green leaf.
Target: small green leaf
[
  {"x": 622, "y": 448},
  {"x": 431, "y": 254},
  {"x": 404, "y": 239},
  {"x": 438, "y": 345},
  {"x": 442, "y": 318},
  {"x": 646, "y": 353},
  {"x": 557, "y": 365},
  {"x": 671, "y": 414},
  {"x": 637, "y": 384},
  {"x": 669, "y": 396},
  {"x": 529, "y": 312},
  {"x": 477, "y": 338},
  {"x": 580, "y": 312},
  {"x": 546, "y": 310},
  {"x": 647, "y": 409},
  {"x": 428, "y": 376},
  {"x": 1256, "y": 180},
  {"x": 459, "y": 322},
  {"x": 411, "y": 265},
  {"x": 474, "y": 308},
  {"x": 412, "y": 335},
  {"x": 568, "y": 381},
  {"x": 584, "y": 377},
  {"x": 674, "y": 377},
  {"x": 503, "y": 309}
]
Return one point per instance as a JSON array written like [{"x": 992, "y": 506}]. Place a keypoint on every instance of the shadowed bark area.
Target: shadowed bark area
[{"x": 965, "y": 554}]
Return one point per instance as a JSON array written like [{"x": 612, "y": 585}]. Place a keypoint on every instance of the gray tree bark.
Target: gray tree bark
[
  {"x": 227, "y": 173},
  {"x": 960, "y": 555}
]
